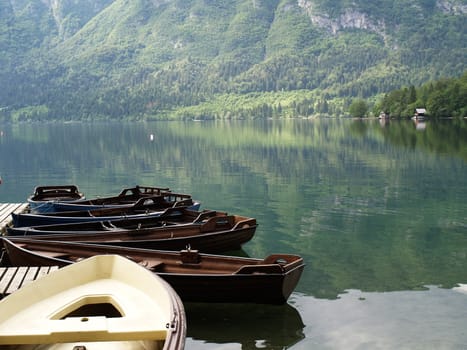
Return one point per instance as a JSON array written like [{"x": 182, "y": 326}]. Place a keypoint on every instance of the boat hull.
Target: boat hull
[
  {"x": 44, "y": 196},
  {"x": 32, "y": 219},
  {"x": 108, "y": 299},
  {"x": 242, "y": 288},
  {"x": 101, "y": 214},
  {"x": 65, "y": 207},
  {"x": 126, "y": 198},
  {"x": 213, "y": 235},
  {"x": 205, "y": 278}
]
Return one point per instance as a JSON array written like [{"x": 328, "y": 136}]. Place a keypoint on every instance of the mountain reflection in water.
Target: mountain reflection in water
[{"x": 380, "y": 211}]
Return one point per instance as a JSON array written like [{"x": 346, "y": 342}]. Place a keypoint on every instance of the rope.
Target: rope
[
  {"x": 1, "y": 256},
  {"x": 38, "y": 207}
]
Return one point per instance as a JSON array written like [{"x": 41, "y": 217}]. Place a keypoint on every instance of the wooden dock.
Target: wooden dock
[
  {"x": 13, "y": 278},
  {"x": 5, "y": 213}
]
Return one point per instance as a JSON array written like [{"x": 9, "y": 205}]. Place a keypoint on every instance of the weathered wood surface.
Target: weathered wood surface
[
  {"x": 13, "y": 278},
  {"x": 5, "y": 213}
]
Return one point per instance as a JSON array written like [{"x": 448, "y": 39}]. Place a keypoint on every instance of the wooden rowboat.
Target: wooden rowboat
[
  {"x": 95, "y": 303},
  {"x": 194, "y": 276},
  {"x": 40, "y": 200},
  {"x": 144, "y": 207},
  {"x": 175, "y": 215},
  {"x": 125, "y": 198},
  {"x": 209, "y": 232}
]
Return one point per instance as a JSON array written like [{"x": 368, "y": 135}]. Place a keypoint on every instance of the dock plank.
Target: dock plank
[
  {"x": 6, "y": 209},
  {"x": 53, "y": 268},
  {"x": 30, "y": 275},
  {"x": 6, "y": 279},
  {"x": 3, "y": 270},
  {"x": 17, "y": 279},
  {"x": 13, "y": 278},
  {"x": 43, "y": 270},
  {"x": 5, "y": 213}
]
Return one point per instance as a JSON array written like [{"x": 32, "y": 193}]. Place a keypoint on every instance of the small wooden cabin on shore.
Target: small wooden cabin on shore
[{"x": 420, "y": 113}]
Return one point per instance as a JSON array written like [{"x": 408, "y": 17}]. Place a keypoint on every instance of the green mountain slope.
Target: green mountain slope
[{"x": 140, "y": 58}]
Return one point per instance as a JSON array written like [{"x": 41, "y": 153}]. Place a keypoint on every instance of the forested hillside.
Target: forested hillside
[
  {"x": 442, "y": 98},
  {"x": 82, "y": 59}
]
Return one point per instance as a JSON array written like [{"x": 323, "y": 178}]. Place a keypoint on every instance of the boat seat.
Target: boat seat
[
  {"x": 152, "y": 265},
  {"x": 56, "y": 255}
]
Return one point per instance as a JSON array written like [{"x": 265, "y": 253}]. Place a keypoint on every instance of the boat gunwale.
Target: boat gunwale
[{"x": 253, "y": 264}]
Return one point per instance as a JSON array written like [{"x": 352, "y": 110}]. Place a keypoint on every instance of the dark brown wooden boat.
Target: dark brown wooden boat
[
  {"x": 126, "y": 197},
  {"x": 208, "y": 231},
  {"x": 194, "y": 276},
  {"x": 144, "y": 207}
]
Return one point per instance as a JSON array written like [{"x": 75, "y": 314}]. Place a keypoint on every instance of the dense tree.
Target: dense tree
[
  {"x": 358, "y": 108},
  {"x": 442, "y": 98}
]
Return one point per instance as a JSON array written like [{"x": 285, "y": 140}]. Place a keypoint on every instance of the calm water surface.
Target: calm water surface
[{"x": 379, "y": 213}]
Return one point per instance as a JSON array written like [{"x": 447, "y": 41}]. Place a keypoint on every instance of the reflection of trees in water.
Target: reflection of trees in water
[
  {"x": 432, "y": 135},
  {"x": 368, "y": 207}
]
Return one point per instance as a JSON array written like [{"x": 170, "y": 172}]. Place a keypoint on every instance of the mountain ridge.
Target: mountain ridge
[{"x": 153, "y": 56}]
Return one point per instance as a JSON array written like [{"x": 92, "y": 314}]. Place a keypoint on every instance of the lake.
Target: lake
[{"x": 378, "y": 212}]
